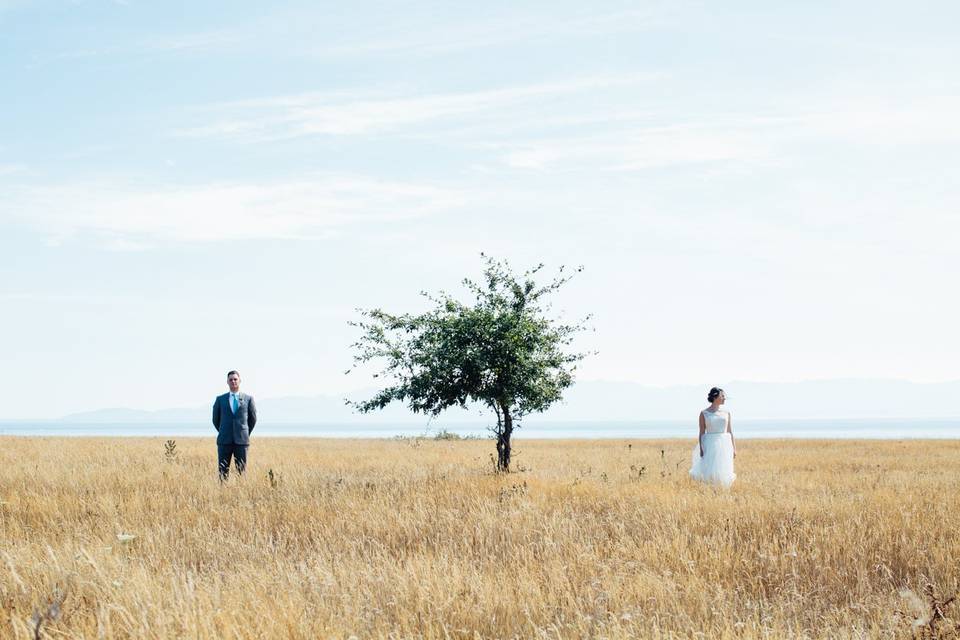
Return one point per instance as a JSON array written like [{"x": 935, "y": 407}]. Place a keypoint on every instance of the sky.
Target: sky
[{"x": 764, "y": 191}]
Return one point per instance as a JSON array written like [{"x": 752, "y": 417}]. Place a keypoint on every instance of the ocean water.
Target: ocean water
[{"x": 881, "y": 428}]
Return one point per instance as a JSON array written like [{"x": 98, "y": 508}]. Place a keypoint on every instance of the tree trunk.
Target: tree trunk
[{"x": 503, "y": 441}]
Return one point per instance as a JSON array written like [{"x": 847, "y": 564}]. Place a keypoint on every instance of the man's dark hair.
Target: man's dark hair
[{"x": 230, "y": 373}]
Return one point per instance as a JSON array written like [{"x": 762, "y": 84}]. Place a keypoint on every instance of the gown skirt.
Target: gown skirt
[{"x": 716, "y": 465}]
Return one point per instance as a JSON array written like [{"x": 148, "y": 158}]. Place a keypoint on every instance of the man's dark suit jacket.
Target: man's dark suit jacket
[{"x": 234, "y": 428}]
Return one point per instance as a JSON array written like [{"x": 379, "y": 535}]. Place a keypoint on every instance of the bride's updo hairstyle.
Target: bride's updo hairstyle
[{"x": 714, "y": 394}]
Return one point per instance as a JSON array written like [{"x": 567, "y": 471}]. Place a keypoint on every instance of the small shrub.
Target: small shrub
[
  {"x": 273, "y": 478},
  {"x": 51, "y": 614},
  {"x": 513, "y": 491},
  {"x": 170, "y": 452},
  {"x": 929, "y": 620}
]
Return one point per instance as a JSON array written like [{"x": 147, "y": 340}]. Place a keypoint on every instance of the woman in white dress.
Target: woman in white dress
[{"x": 715, "y": 450}]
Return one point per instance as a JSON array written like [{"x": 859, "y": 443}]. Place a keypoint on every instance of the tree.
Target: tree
[{"x": 502, "y": 350}]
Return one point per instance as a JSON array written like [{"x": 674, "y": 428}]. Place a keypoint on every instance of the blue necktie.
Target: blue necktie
[{"x": 235, "y": 406}]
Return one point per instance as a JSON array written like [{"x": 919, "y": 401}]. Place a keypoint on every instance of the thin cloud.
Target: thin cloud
[
  {"x": 10, "y": 169},
  {"x": 285, "y": 117},
  {"x": 172, "y": 43},
  {"x": 126, "y": 217},
  {"x": 633, "y": 141},
  {"x": 349, "y": 36},
  {"x": 625, "y": 146},
  {"x": 638, "y": 149},
  {"x": 877, "y": 122},
  {"x": 504, "y": 29}
]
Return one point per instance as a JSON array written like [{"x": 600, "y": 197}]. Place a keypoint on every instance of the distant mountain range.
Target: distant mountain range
[{"x": 617, "y": 401}]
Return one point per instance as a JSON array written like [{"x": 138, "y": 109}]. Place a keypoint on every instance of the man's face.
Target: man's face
[{"x": 233, "y": 381}]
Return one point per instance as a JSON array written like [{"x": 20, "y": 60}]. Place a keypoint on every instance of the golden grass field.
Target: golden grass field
[{"x": 418, "y": 538}]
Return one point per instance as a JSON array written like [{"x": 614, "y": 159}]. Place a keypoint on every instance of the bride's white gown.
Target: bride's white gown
[{"x": 716, "y": 465}]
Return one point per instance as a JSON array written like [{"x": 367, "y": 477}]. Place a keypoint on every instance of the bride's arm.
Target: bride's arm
[
  {"x": 703, "y": 428},
  {"x": 730, "y": 430}
]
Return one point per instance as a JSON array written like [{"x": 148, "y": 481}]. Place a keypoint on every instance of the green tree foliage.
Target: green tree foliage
[{"x": 502, "y": 350}]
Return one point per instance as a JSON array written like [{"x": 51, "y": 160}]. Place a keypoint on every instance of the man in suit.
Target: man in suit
[{"x": 234, "y": 416}]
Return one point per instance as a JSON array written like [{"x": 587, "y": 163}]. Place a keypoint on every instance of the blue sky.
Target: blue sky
[{"x": 758, "y": 191}]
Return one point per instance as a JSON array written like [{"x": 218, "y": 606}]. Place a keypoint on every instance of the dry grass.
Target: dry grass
[{"x": 332, "y": 538}]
